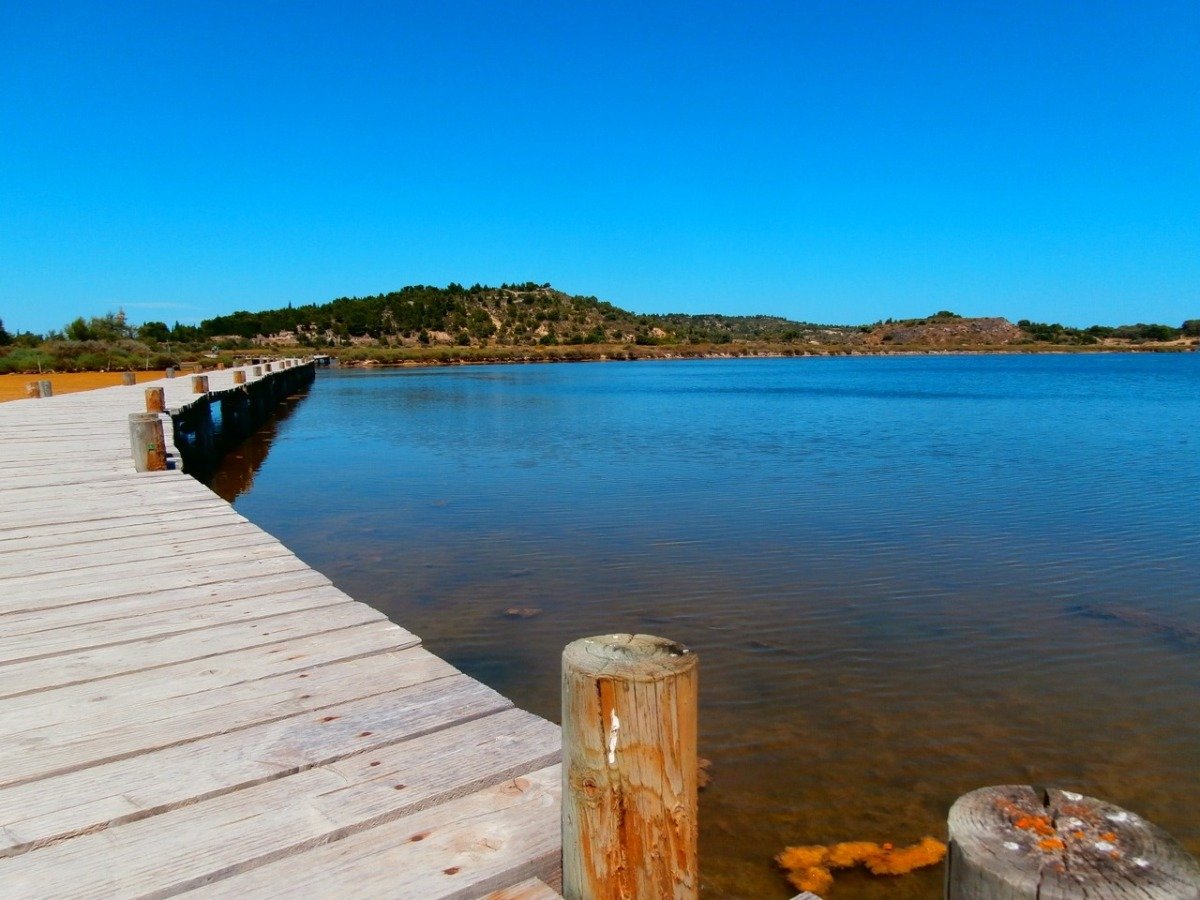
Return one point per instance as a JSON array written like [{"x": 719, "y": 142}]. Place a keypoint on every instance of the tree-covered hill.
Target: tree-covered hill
[{"x": 510, "y": 315}]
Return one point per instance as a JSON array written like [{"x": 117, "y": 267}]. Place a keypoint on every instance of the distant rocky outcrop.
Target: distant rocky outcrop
[{"x": 945, "y": 330}]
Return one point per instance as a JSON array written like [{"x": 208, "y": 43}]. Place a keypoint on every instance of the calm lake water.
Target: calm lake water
[{"x": 905, "y": 577}]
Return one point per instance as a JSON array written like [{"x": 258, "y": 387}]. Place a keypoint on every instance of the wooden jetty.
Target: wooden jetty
[{"x": 186, "y": 707}]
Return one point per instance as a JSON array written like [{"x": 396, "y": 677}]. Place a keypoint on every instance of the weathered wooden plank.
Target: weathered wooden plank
[
  {"x": 191, "y": 846},
  {"x": 35, "y": 641},
  {"x": 140, "y": 508},
  {"x": 124, "y": 551},
  {"x": 126, "y": 585},
  {"x": 76, "y": 667},
  {"x": 80, "y": 534},
  {"x": 531, "y": 889},
  {"x": 133, "y": 568},
  {"x": 132, "y": 727},
  {"x": 88, "y": 800},
  {"x": 182, "y": 600}
]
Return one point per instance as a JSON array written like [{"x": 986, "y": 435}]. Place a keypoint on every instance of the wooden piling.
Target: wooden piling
[
  {"x": 199, "y": 384},
  {"x": 147, "y": 442},
  {"x": 156, "y": 400},
  {"x": 33, "y": 389},
  {"x": 239, "y": 376},
  {"x": 128, "y": 378},
  {"x": 170, "y": 372},
  {"x": 266, "y": 367},
  {"x": 1014, "y": 843},
  {"x": 257, "y": 371},
  {"x": 629, "y": 821}
]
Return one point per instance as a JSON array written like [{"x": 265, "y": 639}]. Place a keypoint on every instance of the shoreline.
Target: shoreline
[{"x": 436, "y": 359}]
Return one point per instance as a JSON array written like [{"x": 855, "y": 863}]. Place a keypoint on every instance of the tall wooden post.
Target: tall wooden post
[
  {"x": 128, "y": 378},
  {"x": 199, "y": 384},
  {"x": 629, "y": 769},
  {"x": 1014, "y": 843},
  {"x": 147, "y": 442},
  {"x": 156, "y": 400},
  {"x": 239, "y": 376}
]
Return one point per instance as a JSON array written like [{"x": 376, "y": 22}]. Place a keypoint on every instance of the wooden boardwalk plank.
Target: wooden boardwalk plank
[
  {"x": 227, "y": 641},
  {"x": 36, "y": 640},
  {"x": 533, "y": 889},
  {"x": 190, "y": 846},
  {"x": 140, "y": 727},
  {"x": 131, "y": 584},
  {"x": 182, "y": 600},
  {"x": 501, "y": 835},
  {"x": 88, "y": 800}
]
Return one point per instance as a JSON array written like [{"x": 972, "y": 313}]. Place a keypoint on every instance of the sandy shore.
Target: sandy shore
[{"x": 12, "y": 387}]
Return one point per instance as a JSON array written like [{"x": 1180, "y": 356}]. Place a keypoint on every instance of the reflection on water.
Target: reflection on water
[
  {"x": 235, "y": 473},
  {"x": 906, "y": 578}
]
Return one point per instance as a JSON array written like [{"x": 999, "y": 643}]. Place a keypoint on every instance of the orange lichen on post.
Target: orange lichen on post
[{"x": 809, "y": 867}]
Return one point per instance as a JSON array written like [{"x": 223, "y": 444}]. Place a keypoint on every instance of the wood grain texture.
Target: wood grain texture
[
  {"x": 629, "y": 769},
  {"x": 1011, "y": 842}
]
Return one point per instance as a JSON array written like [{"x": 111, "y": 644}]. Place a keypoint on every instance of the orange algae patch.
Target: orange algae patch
[
  {"x": 1037, "y": 824},
  {"x": 808, "y": 867},
  {"x": 1052, "y": 844}
]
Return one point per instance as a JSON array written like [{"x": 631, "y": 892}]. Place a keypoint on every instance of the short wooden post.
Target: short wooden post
[
  {"x": 147, "y": 442},
  {"x": 220, "y": 365},
  {"x": 199, "y": 384},
  {"x": 45, "y": 388},
  {"x": 629, "y": 768},
  {"x": 266, "y": 367},
  {"x": 1014, "y": 843},
  {"x": 239, "y": 376},
  {"x": 257, "y": 371},
  {"x": 33, "y": 389},
  {"x": 128, "y": 378},
  {"x": 156, "y": 400},
  {"x": 170, "y": 372}
]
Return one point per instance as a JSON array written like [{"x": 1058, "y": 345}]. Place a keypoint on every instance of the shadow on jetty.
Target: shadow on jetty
[{"x": 224, "y": 440}]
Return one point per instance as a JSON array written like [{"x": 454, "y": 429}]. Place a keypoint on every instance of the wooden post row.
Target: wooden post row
[
  {"x": 629, "y": 821},
  {"x": 156, "y": 400},
  {"x": 1014, "y": 843},
  {"x": 147, "y": 442}
]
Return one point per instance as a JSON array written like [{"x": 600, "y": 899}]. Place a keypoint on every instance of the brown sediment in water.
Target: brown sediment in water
[{"x": 13, "y": 386}]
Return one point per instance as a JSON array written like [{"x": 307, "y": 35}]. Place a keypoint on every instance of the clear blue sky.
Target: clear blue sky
[{"x": 828, "y": 161}]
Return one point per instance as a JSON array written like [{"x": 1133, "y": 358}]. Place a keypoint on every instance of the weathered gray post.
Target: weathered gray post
[
  {"x": 1014, "y": 843},
  {"x": 156, "y": 400},
  {"x": 170, "y": 373},
  {"x": 128, "y": 378},
  {"x": 266, "y": 367},
  {"x": 629, "y": 821},
  {"x": 199, "y": 384},
  {"x": 257, "y": 371},
  {"x": 239, "y": 376},
  {"x": 147, "y": 442}
]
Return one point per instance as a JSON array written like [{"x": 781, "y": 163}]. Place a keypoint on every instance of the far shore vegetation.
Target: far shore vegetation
[{"x": 423, "y": 325}]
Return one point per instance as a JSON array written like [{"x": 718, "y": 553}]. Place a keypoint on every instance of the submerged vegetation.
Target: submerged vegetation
[{"x": 532, "y": 322}]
